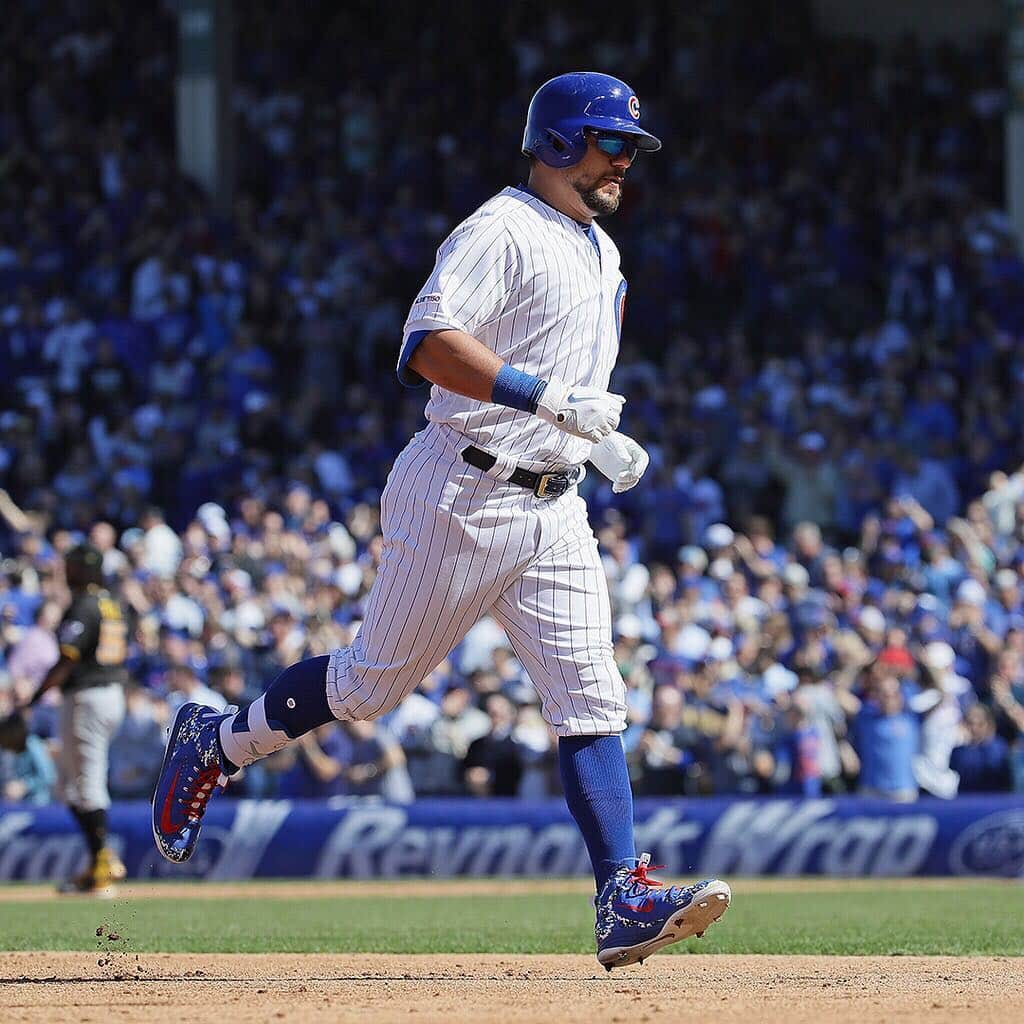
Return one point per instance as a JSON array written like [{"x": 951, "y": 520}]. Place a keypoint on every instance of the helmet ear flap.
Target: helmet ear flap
[
  {"x": 558, "y": 151},
  {"x": 558, "y": 142}
]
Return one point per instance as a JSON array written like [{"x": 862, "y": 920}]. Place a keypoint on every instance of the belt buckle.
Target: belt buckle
[{"x": 552, "y": 485}]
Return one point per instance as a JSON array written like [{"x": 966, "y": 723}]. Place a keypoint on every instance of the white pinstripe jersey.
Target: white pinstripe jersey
[{"x": 527, "y": 282}]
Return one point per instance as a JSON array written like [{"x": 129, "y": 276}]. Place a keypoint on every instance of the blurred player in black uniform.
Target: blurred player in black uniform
[{"x": 90, "y": 673}]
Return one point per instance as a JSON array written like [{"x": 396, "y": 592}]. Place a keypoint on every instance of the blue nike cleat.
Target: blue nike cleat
[
  {"x": 635, "y": 917},
  {"x": 189, "y": 776}
]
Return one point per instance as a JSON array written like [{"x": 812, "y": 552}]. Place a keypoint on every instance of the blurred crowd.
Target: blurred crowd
[
  {"x": 891, "y": 667},
  {"x": 817, "y": 587}
]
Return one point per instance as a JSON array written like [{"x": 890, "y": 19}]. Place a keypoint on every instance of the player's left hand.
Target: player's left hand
[{"x": 620, "y": 459}]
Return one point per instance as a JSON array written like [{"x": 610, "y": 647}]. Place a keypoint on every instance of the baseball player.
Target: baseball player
[
  {"x": 517, "y": 329},
  {"x": 90, "y": 673}
]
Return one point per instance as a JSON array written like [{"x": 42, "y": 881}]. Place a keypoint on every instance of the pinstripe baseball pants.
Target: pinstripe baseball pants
[{"x": 459, "y": 543}]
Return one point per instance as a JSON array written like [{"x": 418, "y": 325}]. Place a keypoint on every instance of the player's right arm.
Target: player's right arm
[
  {"x": 474, "y": 276},
  {"x": 456, "y": 361}
]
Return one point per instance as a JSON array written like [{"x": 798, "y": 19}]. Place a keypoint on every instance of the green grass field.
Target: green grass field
[{"x": 973, "y": 919}]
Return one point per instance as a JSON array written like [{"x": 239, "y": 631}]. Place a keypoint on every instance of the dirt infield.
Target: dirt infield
[{"x": 495, "y": 989}]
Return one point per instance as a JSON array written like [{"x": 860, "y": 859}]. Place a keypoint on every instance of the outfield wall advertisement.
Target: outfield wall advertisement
[{"x": 359, "y": 838}]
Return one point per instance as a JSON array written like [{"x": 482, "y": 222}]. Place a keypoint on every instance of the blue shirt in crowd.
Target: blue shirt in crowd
[{"x": 886, "y": 745}]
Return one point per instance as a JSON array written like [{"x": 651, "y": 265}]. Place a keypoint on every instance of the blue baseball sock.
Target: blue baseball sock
[
  {"x": 295, "y": 703},
  {"x": 596, "y": 784}
]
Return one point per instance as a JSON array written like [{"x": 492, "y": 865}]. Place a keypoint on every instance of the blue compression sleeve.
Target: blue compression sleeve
[
  {"x": 596, "y": 783},
  {"x": 517, "y": 390}
]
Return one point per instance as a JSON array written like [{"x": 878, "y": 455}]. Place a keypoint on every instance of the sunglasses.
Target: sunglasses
[{"x": 614, "y": 145}]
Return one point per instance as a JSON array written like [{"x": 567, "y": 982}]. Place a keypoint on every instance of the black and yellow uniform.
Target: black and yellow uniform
[
  {"x": 93, "y": 638},
  {"x": 94, "y": 635}
]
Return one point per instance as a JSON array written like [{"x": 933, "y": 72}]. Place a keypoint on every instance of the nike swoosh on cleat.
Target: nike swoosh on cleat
[
  {"x": 166, "y": 825},
  {"x": 644, "y": 908}
]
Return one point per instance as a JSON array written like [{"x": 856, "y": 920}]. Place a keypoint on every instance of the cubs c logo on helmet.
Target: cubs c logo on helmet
[{"x": 634, "y": 108}]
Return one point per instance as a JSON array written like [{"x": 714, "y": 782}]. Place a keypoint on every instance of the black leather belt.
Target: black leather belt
[{"x": 544, "y": 485}]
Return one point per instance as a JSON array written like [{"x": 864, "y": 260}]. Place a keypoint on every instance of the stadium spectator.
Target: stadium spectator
[
  {"x": 797, "y": 753},
  {"x": 886, "y": 737},
  {"x": 348, "y": 758},
  {"x": 982, "y": 761},
  {"x": 940, "y": 704},
  {"x": 1008, "y": 700},
  {"x": 538, "y": 745},
  {"x": 137, "y": 747},
  {"x": 183, "y": 685},
  {"x": 827, "y": 705},
  {"x": 436, "y": 753},
  {"x": 808, "y": 477},
  {"x": 27, "y": 770},
  {"x": 35, "y": 650},
  {"x": 666, "y": 749},
  {"x": 494, "y": 763}
]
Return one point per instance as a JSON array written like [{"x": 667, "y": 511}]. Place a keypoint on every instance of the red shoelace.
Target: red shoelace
[
  {"x": 639, "y": 874},
  {"x": 199, "y": 791}
]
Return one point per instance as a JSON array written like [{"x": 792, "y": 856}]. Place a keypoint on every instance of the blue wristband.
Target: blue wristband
[{"x": 517, "y": 390}]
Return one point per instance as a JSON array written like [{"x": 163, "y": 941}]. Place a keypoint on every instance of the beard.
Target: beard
[{"x": 602, "y": 203}]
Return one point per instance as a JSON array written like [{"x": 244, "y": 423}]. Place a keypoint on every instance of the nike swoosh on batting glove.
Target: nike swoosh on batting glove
[
  {"x": 620, "y": 459},
  {"x": 586, "y": 412}
]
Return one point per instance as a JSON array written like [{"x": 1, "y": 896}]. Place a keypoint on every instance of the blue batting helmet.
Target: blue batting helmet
[{"x": 562, "y": 108}]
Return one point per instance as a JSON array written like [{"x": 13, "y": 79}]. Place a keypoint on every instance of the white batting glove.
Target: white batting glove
[
  {"x": 589, "y": 413},
  {"x": 620, "y": 459}
]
